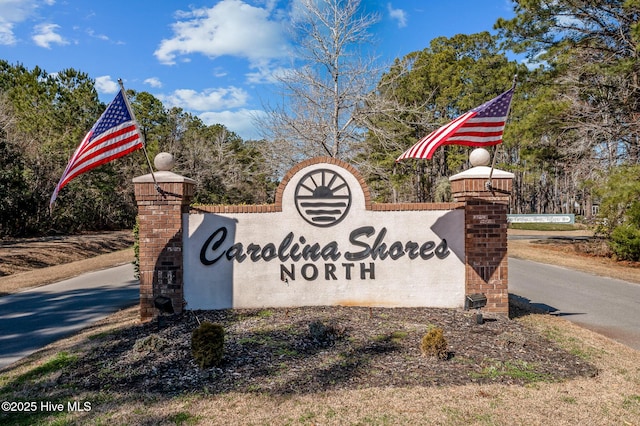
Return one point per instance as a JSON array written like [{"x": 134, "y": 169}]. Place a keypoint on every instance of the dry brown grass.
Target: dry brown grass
[
  {"x": 37, "y": 277},
  {"x": 610, "y": 398},
  {"x": 563, "y": 254},
  {"x": 24, "y": 254}
]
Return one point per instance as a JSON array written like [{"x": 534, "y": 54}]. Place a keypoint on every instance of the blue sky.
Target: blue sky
[{"x": 212, "y": 58}]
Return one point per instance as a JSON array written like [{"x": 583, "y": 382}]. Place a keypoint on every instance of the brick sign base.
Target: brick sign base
[{"x": 323, "y": 242}]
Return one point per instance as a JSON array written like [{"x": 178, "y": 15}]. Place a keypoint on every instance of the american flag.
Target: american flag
[
  {"x": 482, "y": 126},
  {"x": 114, "y": 135}
]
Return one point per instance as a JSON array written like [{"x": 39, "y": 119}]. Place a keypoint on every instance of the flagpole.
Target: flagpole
[
  {"x": 144, "y": 142},
  {"x": 493, "y": 163},
  {"x": 495, "y": 151}
]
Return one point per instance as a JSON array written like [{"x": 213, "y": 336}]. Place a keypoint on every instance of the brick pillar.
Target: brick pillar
[
  {"x": 485, "y": 233},
  {"x": 160, "y": 233}
]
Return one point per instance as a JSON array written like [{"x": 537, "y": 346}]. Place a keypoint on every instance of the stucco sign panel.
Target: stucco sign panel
[{"x": 325, "y": 247}]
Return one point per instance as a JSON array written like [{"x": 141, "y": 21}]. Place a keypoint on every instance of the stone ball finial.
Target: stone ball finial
[
  {"x": 164, "y": 161},
  {"x": 479, "y": 157}
]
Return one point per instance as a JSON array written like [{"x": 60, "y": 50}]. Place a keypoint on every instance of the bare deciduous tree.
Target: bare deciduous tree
[{"x": 326, "y": 83}]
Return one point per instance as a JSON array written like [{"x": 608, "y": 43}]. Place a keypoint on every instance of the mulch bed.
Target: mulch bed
[{"x": 278, "y": 351}]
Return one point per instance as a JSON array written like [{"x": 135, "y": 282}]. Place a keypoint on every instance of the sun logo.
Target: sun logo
[{"x": 323, "y": 197}]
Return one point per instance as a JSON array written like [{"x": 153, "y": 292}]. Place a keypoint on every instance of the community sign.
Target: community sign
[{"x": 324, "y": 242}]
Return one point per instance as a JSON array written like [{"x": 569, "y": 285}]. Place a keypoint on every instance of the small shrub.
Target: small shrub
[
  {"x": 325, "y": 334},
  {"x": 207, "y": 345},
  {"x": 625, "y": 242},
  {"x": 151, "y": 343},
  {"x": 434, "y": 344}
]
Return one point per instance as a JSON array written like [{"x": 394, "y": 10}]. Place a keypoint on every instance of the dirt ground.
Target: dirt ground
[
  {"x": 31, "y": 262},
  {"x": 611, "y": 397},
  {"x": 315, "y": 349},
  {"x": 366, "y": 368},
  {"x": 571, "y": 250}
]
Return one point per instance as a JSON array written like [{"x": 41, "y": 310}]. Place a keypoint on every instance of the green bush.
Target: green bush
[
  {"x": 434, "y": 344},
  {"x": 325, "y": 334},
  {"x": 207, "y": 345},
  {"x": 151, "y": 343},
  {"x": 625, "y": 242},
  {"x": 620, "y": 197}
]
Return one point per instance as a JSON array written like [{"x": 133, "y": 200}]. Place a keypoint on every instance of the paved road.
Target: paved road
[
  {"x": 608, "y": 306},
  {"x": 31, "y": 319}
]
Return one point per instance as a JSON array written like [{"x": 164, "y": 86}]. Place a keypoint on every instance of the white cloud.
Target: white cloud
[
  {"x": 240, "y": 122},
  {"x": 6, "y": 34},
  {"x": 231, "y": 27},
  {"x": 105, "y": 84},
  {"x": 13, "y": 12},
  {"x": 266, "y": 75},
  {"x": 397, "y": 15},
  {"x": 153, "y": 82},
  {"x": 217, "y": 106},
  {"x": 45, "y": 35},
  {"x": 93, "y": 34},
  {"x": 17, "y": 10},
  {"x": 207, "y": 100},
  {"x": 219, "y": 72}
]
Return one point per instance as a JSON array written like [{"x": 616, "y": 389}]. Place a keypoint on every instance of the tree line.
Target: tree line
[
  {"x": 43, "y": 118},
  {"x": 572, "y": 139}
]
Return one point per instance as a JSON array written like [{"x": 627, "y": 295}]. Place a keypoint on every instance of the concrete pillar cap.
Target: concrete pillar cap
[
  {"x": 479, "y": 159},
  {"x": 482, "y": 172}
]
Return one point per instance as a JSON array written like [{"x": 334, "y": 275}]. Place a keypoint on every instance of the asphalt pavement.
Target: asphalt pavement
[
  {"x": 608, "y": 306},
  {"x": 31, "y": 319}
]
